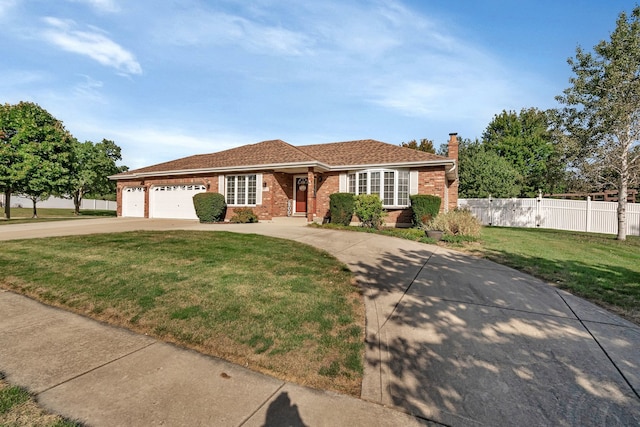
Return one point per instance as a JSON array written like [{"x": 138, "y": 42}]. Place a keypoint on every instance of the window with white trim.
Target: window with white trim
[
  {"x": 241, "y": 190},
  {"x": 390, "y": 184}
]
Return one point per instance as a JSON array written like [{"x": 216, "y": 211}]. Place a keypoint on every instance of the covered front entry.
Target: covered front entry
[
  {"x": 173, "y": 201},
  {"x": 133, "y": 202},
  {"x": 301, "y": 185}
]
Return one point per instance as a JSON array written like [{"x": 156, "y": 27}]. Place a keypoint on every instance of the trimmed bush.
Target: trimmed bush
[
  {"x": 341, "y": 206},
  {"x": 424, "y": 207},
  {"x": 458, "y": 222},
  {"x": 243, "y": 216},
  {"x": 369, "y": 210},
  {"x": 210, "y": 207}
]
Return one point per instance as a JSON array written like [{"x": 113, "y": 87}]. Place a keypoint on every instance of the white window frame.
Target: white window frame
[
  {"x": 355, "y": 181},
  {"x": 257, "y": 196}
]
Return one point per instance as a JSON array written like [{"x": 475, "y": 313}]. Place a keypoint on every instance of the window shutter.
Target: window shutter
[
  {"x": 221, "y": 184},
  {"x": 413, "y": 182},
  {"x": 343, "y": 183},
  {"x": 258, "y": 189}
]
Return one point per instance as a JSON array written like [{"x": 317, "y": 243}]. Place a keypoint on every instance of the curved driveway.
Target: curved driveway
[{"x": 456, "y": 339}]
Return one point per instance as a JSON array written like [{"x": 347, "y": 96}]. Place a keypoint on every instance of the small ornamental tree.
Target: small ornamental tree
[
  {"x": 341, "y": 206},
  {"x": 210, "y": 207},
  {"x": 368, "y": 208},
  {"x": 424, "y": 208}
]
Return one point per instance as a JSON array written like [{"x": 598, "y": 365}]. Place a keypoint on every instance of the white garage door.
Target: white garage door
[
  {"x": 133, "y": 202},
  {"x": 173, "y": 201}
]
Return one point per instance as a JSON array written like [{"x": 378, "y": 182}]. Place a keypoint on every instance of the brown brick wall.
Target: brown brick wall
[
  {"x": 330, "y": 184},
  {"x": 432, "y": 181},
  {"x": 278, "y": 189}
]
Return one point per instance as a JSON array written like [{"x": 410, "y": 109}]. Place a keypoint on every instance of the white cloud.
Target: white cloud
[
  {"x": 89, "y": 90},
  {"x": 93, "y": 44},
  {"x": 199, "y": 27},
  {"x": 100, "y": 5}
]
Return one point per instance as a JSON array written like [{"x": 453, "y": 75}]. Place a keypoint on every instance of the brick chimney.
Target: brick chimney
[{"x": 453, "y": 146}]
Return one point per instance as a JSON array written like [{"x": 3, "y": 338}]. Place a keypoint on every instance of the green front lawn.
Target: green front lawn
[
  {"x": 24, "y": 215},
  {"x": 274, "y": 305}
]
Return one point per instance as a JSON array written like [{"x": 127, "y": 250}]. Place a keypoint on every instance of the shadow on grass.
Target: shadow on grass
[{"x": 461, "y": 340}]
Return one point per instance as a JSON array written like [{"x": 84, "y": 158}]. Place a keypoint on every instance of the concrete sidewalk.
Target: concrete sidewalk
[
  {"x": 107, "y": 376},
  {"x": 450, "y": 338}
]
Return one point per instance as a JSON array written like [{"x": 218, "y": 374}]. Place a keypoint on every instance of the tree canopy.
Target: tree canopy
[
  {"x": 93, "y": 163},
  {"x": 425, "y": 145},
  {"x": 525, "y": 140},
  {"x": 600, "y": 121},
  {"x": 39, "y": 157},
  {"x": 35, "y": 152},
  {"x": 484, "y": 173}
]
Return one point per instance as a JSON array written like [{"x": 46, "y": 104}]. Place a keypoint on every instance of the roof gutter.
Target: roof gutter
[
  {"x": 319, "y": 165},
  {"x": 322, "y": 167}
]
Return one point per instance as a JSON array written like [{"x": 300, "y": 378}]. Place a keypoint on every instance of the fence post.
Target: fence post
[
  {"x": 490, "y": 210},
  {"x": 588, "y": 227},
  {"x": 538, "y": 208}
]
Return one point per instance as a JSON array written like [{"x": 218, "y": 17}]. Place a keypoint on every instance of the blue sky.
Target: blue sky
[{"x": 170, "y": 78}]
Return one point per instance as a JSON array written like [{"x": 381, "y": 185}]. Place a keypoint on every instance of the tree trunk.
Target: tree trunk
[
  {"x": 622, "y": 211},
  {"x": 77, "y": 199},
  {"x": 7, "y": 204},
  {"x": 623, "y": 187}
]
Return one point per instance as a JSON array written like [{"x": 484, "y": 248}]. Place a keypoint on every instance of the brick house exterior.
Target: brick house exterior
[{"x": 276, "y": 179}]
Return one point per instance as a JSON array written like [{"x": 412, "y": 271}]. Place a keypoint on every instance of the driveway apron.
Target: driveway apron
[{"x": 464, "y": 341}]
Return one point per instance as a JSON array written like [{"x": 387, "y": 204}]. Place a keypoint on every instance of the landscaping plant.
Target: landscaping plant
[
  {"x": 457, "y": 222},
  {"x": 210, "y": 207},
  {"x": 424, "y": 208},
  {"x": 341, "y": 206},
  {"x": 368, "y": 208},
  {"x": 244, "y": 216}
]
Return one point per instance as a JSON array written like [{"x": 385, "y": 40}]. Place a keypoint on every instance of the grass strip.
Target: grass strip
[
  {"x": 19, "y": 408},
  {"x": 24, "y": 215}
]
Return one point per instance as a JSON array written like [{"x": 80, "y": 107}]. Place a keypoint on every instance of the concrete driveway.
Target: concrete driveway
[{"x": 459, "y": 340}]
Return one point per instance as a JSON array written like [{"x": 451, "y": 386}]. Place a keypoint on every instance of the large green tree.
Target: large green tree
[
  {"x": 601, "y": 115},
  {"x": 484, "y": 173},
  {"x": 35, "y": 152},
  {"x": 525, "y": 140},
  {"x": 93, "y": 163}
]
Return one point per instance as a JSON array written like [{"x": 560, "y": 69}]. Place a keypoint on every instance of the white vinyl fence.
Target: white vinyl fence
[
  {"x": 59, "y": 203},
  {"x": 574, "y": 215}
]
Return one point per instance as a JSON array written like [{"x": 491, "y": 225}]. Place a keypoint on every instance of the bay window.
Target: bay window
[{"x": 391, "y": 185}]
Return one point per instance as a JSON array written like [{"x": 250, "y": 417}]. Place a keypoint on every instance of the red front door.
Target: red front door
[{"x": 301, "y": 195}]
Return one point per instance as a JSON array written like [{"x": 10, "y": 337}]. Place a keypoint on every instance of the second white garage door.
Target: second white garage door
[{"x": 173, "y": 201}]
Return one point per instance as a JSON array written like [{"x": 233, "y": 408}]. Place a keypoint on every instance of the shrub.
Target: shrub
[
  {"x": 341, "y": 206},
  {"x": 243, "y": 216},
  {"x": 369, "y": 210},
  {"x": 458, "y": 222},
  {"x": 424, "y": 208},
  {"x": 210, "y": 207}
]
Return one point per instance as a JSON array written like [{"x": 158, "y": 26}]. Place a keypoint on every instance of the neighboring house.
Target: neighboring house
[{"x": 277, "y": 179}]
